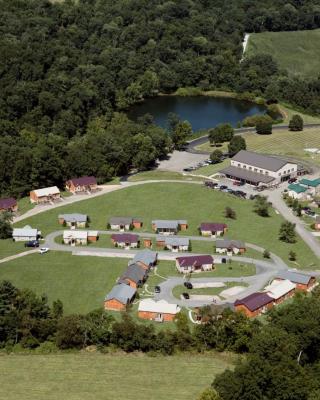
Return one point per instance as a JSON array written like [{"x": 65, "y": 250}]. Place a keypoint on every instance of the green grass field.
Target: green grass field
[
  {"x": 105, "y": 377},
  {"x": 282, "y": 142},
  {"x": 8, "y": 248},
  {"x": 81, "y": 283},
  {"x": 298, "y": 51},
  {"x": 165, "y": 175},
  {"x": 181, "y": 201}
]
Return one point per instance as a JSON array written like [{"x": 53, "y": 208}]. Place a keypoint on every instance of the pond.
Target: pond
[{"x": 202, "y": 112}]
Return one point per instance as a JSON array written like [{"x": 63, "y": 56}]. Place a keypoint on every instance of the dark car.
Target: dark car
[
  {"x": 223, "y": 187},
  {"x": 291, "y": 180},
  {"x": 157, "y": 289},
  {"x": 188, "y": 285},
  {"x": 187, "y": 169},
  {"x": 223, "y": 260},
  {"x": 186, "y": 296},
  {"x": 32, "y": 243}
]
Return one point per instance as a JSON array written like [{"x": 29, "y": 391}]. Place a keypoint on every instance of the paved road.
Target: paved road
[
  {"x": 203, "y": 139},
  {"x": 276, "y": 198}
]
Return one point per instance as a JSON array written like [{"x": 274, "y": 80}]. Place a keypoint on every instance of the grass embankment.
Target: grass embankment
[
  {"x": 97, "y": 376},
  {"x": 161, "y": 175},
  {"x": 298, "y": 52},
  {"x": 181, "y": 201},
  {"x": 209, "y": 291}
]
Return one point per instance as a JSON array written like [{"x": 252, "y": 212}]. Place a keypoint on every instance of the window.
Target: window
[
  {"x": 261, "y": 172},
  {"x": 267, "y": 173},
  {"x": 239, "y": 165},
  {"x": 250, "y": 168},
  {"x": 255, "y": 170},
  {"x": 245, "y": 167}
]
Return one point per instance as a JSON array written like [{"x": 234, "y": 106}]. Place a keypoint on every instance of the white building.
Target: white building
[
  {"x": 75, "y": 237},
  {"x": 280, "y": 290},
  {"x": 258, "y": 169},
  {"x": 25, "y": 234}
]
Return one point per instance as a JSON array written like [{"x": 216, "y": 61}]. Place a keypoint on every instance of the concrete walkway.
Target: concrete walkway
[{"x": 13, "y": 257}]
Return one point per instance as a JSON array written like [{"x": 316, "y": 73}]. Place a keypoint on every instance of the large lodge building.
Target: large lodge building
[{"x": 258, "y": 169}]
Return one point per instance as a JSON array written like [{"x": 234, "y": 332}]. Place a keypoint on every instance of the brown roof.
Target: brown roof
[
  {"x": 212, "y": 226},
  {"x": 84, "y": 181},
  {"x": 254, "y": 301},
  {"x": 242, "y": 173},
  {"x": 194, "y": 261},
  {"x": 7, "y": 203},
  {"x": 125, "y": 238}
]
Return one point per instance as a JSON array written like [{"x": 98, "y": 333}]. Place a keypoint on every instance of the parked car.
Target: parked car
[
  {"x": 186, "y": 296},
  {"x": 223, "y": 260},
  {"x": 223, "y": 187},
  {"x": 236, "y": 183},
  {"x": 188, "y": 285},
  {"x": 157, "y": 289},
  {"x": 187, "y": 169},
  {"x": 292, "y": 180},
  {"x": 32, "y": 243},
  {"x": 44, "y": 250}
]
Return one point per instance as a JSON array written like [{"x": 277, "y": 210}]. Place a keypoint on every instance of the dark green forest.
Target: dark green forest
[{"x": 67, "y": 69}]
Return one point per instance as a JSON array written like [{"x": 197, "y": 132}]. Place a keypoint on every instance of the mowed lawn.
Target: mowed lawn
[
  {"x": 287, "y": 143},
  {"x": 105, "y": 377},
  {"x": 298, "y": 51},
  {"x": 80, "y": 282},
  {"x": 181, "y": 201},
  {"x": 8, "y": 247}
]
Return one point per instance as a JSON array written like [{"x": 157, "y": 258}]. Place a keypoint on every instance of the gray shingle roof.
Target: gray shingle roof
[
  {"x": 134, "y": 272},
  {"x": 295, "y": 277},
  {"x": 121, "y": 221},
  {"x": 245, "y": 174},
  {"x": 147, "y": 257},
  {"x": 122, "y": 293},
  {"x": 227, "y": 243},
  {"x": 74, "y": 217},
  {"x": 173, "y": 241},
  {"x": 259, "y": 160},
  {"x": 168, "y": 224}
]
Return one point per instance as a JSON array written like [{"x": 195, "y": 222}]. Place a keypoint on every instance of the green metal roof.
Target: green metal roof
[
  {"x": 308, "y": 182},
  {"x": 297, "y": 188}
]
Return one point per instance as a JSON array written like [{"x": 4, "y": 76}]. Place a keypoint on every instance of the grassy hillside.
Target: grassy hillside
[
  {"x": 106, "y": 377},
  {"x": 298, "y": 51},
  {"x": 180, "y": 201}
]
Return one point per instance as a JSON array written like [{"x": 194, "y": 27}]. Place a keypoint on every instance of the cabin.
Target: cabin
[
  {"x": 75, "y": 237},
  {"x": 302, "y": 281},
  {"x": 125, "y": 240},
  {"x": 230, "y": 247},
  {"x": 124, "y": 223},
  {"x": 45, "y": 195},
  {"x": 73, "y": 220},
  {"x": 25, "y": 234},
  {"x": 159, "y": 311},
  {"x": 280, "y": 290},
  {"x": 213, "y": 229},
  {"x": 145, "y": 258},
  {"x": 297, "y": 191},
  {"x": 169, "y": 227},
  {"x": 119, "y": 297},
  {"x": 82, "y": 184},
  {"x": 255, "y": 304},
  {"x": 195, "y": 263},
  {"x": 174, "y": 244},
  {"x": 135, "y": 276},
  {"x": 9, "y": 204}
]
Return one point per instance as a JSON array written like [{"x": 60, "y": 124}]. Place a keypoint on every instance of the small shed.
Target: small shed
[{"x": 297, "y": 191}]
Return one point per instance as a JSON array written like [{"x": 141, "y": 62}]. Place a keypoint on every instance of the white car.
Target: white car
[{"x": 43, "y": 250}]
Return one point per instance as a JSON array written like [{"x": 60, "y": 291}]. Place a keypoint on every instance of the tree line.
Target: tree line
[{"x": 67, "y": 67}]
